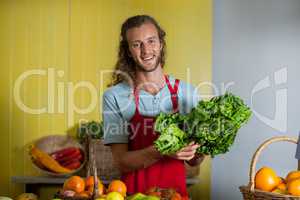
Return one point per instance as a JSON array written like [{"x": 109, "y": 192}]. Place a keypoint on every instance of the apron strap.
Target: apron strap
[
  {"x": 136, "y": 99},
  {"x": 173, "y": 91}
]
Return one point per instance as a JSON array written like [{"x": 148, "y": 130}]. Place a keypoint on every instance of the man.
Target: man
[{"x": 139, "y": 92}]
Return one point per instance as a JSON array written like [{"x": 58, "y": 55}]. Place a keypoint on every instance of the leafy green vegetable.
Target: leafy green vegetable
[
  {"x": 213, "y": 124},
  {"x": 164, "y": 120},
  {"x": 216, "y": 131},
  {"x": 171, "y": 140}
]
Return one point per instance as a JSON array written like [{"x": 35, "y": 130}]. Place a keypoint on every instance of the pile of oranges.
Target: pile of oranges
[
  {"x": 266, "y": 179},
  {"x": 76, "y": 186}
]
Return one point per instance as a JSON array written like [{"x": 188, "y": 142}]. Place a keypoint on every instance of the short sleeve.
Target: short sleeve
[
  {"x": 115, "y": 127},
  {"x": 190, "y": 97}
]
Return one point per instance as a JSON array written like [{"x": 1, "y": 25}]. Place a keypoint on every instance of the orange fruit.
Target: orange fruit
[
  {"x": 89, "y": 181},
  {"x": 101, "y": 189},
  {"x": 281, "y": 186},
  {"x": 266, "y": 179},
  {"x": 292, "y": 175},
  {"x": 117, "y": 186},
  {"x": 74, "y": 183},
  {"x": 294, "y": 187}
]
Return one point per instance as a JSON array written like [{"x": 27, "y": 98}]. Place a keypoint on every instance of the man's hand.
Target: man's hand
[{"x": 186, "y": 153}]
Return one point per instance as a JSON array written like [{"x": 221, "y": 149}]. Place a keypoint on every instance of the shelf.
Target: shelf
[
  {"x": 43, "y": 180},
  {"x": 32, "y": 181}
]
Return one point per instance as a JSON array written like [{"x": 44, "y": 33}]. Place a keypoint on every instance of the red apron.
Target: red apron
[{"x": 165, "y": 173}]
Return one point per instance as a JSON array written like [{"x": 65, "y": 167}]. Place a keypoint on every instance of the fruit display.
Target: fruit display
[
  {"x": 78, "y": 188},
  {"x": 83, "y": 188},
  {"x": 265, "y": 183},
  {"x": 267, "y": 180},
  {"x": 63, "y": 161}
]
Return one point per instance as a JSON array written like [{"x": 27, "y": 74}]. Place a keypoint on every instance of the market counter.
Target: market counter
[{"x": 32, "y": 183}]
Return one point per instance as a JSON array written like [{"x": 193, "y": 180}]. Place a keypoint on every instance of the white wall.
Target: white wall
[{"x": 257, "y": 46}]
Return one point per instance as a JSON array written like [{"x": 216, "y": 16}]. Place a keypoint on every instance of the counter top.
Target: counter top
[{"x": 60, "y": 180}]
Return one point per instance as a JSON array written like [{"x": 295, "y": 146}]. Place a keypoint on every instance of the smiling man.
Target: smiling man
[
  {"x": 139, "y": 92},
  {"x": 145, "y": 47}
]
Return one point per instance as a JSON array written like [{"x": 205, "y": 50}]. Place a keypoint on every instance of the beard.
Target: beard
[{"x": 140, "y": 67}]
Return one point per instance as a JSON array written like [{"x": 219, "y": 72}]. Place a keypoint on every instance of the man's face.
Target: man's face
[{"x": 145, "y": 47}]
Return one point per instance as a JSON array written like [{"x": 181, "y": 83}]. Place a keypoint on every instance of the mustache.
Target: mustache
[{"x": 141, "y": 68}]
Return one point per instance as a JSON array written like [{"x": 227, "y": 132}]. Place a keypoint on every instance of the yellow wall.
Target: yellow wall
[{"x": 74, "y": 40}]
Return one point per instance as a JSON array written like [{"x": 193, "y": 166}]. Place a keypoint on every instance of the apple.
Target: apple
[
  {"x": 114, "y": 196},
  {"x": 137, "y": 196}
]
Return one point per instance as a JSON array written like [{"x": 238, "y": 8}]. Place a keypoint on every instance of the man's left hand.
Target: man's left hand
[{"x": 186, "y": 153}]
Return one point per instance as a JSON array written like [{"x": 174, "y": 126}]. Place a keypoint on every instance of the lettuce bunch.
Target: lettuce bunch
[
  {"x": 213, "y": 124},
  {"x": 171, "y": 140}
]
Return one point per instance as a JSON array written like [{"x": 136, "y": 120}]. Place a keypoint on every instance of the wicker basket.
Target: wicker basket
[
  {"x": 249, "y": 192},
  {"x": 52, "y": 143},
  {"x": 106, "y": 168}
]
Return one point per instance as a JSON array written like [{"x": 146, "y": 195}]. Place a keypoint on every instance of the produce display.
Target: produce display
[
  {"x": 213, "y": 124},
  {"x": 267, "y": 180},
  {"x": 79, "y": 188},
  {"x": 76, "y": 186},
  {"x": 63, "y": 161}
]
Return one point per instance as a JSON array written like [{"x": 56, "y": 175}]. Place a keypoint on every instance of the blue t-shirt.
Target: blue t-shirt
[{"x": 119, "y": 107}]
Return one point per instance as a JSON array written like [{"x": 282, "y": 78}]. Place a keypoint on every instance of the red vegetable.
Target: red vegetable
[
  {"x": 67, "y": 162},
  {"x": 63, "y": 152},
  {"x": 71, "y": 156},
  {"x": 73, "y": 165}
]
